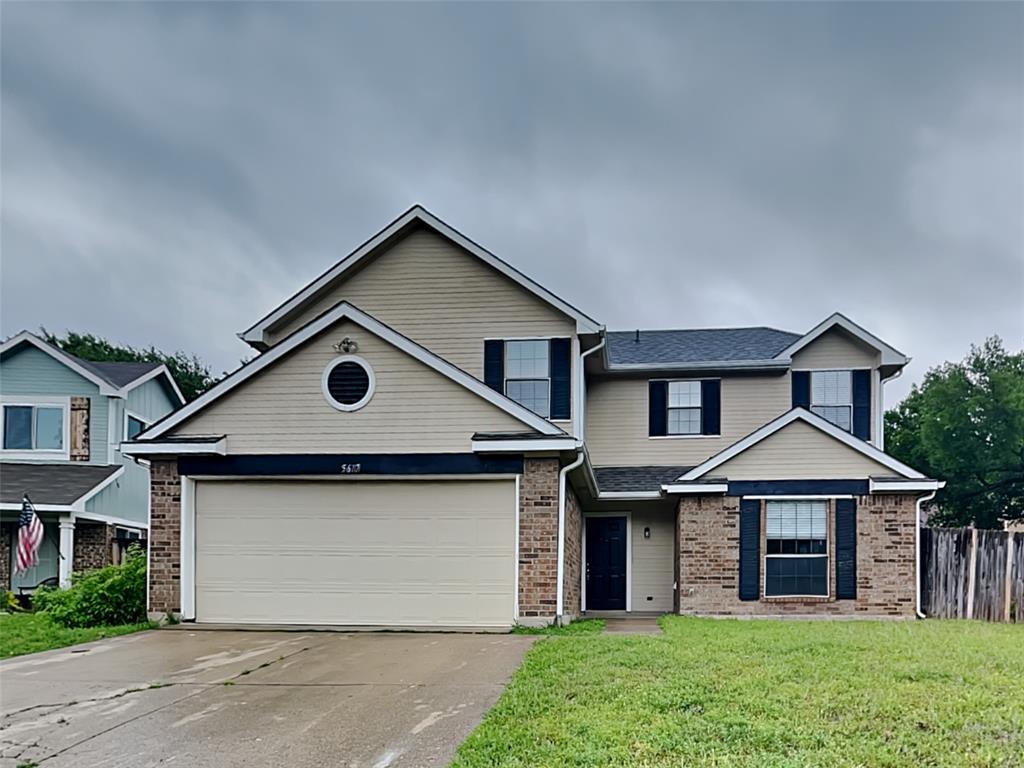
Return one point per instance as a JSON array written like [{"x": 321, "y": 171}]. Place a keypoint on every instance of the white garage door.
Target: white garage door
[{"x": 395, "y": 553}]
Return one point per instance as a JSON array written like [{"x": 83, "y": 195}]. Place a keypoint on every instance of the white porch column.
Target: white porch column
[{"x": 67, "y": 551}]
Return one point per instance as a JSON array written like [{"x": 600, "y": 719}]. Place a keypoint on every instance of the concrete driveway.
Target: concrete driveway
[{"x": 231, "y": 698}]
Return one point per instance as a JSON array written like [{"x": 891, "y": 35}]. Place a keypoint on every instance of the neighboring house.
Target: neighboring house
[
  {"x": 430, "y": 438},
  {"x": 61, "y": 427}
]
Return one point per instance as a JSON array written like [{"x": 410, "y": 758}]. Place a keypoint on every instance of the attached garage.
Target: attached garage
[{"x": 417, "y": 553}]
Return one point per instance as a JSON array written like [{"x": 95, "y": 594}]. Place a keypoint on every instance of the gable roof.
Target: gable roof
[
  {"x": 114, "y": 379},
  {"x": 814, "y": 420},
  {"x": 889, "y": 355},
  {"x": 54, "y": 484},
  {"x": 415, "y": 216},
  {"x": 344, "y": 311},
  {"x": 675, "y": 348}
]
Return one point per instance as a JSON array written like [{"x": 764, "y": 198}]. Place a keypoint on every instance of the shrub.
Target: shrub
[{"x": 112, "y": 595}]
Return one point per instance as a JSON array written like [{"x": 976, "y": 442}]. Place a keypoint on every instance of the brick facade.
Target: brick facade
[
  {"x": 708, "y": 544},
  {"x": 164, "y": 537},
  {"x": 538, "y": 541},
  {"x": 93, "y": 547},
  {"x": 79, "y": 428},
  {"x": 6, "y": 542},
  {"x": 573, "y": 555}
]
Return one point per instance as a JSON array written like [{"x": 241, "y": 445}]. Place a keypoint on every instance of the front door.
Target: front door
[{"x": 606, "y": 564}]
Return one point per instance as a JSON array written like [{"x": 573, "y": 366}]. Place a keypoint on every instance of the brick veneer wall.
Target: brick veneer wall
[
  {"x": 573, "y": 555},
  {"x": 92, "y": 546},
  {"x": 538, "y": 541},
  {"x": 164, "y": 537},
  {"x": 708, "y": 539},
  {"x": 6, "y": 538}
]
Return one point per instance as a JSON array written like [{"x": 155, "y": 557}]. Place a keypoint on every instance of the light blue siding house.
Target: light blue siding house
[{"x": 61, "y": 427}]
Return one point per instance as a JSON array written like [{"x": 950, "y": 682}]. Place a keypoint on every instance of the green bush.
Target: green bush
[{"x": 107, "y": 597}]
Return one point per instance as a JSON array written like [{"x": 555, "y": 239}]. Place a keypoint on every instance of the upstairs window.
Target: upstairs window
[
  {"x": 796, "y": 560},
  {"x": 528, "y": 374},
  {"x": 832, "y": 397},
  {"x": 684, "y": 408},
  {"x": 133, "y": 425},
  {"x": 33, "y": 428}
]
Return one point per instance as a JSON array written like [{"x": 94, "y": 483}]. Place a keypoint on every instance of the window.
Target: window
[
  {"x": 347, "y": 383},
  {"x": 832, "y": 397},
  {"x": 528, "y": 374},
  {"x": 133, "y": 426},
  {"x": 684, "y": 408},
  {"x": 33, "y": 428},
  {"x": 796, "y": 557}
]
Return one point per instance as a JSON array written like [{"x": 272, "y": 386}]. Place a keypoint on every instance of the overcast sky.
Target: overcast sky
[{"x": 172, "y": 172}]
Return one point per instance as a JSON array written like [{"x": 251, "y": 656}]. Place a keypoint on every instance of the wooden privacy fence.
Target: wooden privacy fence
[{"x": 968, "y": 573}]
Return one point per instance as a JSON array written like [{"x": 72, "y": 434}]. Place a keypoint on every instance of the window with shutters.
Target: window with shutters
[
  {"x": 35, "y": 429},
  {"x": 348, "y": 383},
  {"x": 528, "y": 374},
  {"x": 684, "y": 408},
  {"x": 832, "y": 397},
  {"x": 796, "y": 554}
]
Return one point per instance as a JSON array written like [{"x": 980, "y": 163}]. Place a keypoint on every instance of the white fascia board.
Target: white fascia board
[
  {"x": 628, "y": 495},
  {"x": 524, "y": 446},
  {"x": 815, "y": 421},
  {"x": 695, "y": 488},
  {"x": 106, "y": 388},
  {"x": 254, "y": 334},
  {"x": 889, "y": 355},
  {"x": 174, "y": 448},
  {"x": 346, "y": 311},
  {"x": 16, "y": 505},
  {"x": 891, "y": 486},
  {"x": 162, "y": 370},
  {"x": 775, "y": 364},
  {"x": 79, "y": 503},
  {"x": 123, "y": 522}
]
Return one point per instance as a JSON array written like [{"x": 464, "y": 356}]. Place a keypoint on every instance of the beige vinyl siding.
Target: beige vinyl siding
[
  {"x": 395, "y": 553},
  {"x": 799, "y": 451},
  {"x": 413, "y": 409},
  {"x": 653, "y": 567},
  {"x": 835, "y": 349},
  {"x": 616, "y": 432},
  {"x": 441, "y": 297}
]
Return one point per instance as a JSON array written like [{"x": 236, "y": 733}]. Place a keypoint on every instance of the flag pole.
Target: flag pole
[{"x": 60, "y": 554}]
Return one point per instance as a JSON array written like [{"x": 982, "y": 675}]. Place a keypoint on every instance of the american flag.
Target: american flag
[{"x": 30, "y": 536}]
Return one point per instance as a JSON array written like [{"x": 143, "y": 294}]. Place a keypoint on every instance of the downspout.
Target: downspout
[
  {"x": 917, "y": 554},
  {"x": 580, "y": 456}
]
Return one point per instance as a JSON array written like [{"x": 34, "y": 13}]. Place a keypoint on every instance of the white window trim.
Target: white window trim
[
  {"x": 504, "y": 367},
  {"x": 698, "y": 435},
  {"x": 827, "y": 556},
  {"x": 812, "y": 404},
  {"x": 33, "y": 402},
  {"x": 629, "y": 557},
  {"x": 369, "y": 390},
  {"x": 132, "y": 414}
]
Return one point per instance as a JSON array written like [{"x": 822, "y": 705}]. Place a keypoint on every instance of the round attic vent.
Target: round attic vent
[{"x": 348, "y": 383}]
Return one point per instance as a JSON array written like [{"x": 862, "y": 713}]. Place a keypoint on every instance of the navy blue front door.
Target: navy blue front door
[{"x": 606, "y": 564}]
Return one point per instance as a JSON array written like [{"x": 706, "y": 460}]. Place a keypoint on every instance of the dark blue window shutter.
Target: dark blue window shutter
[
  {"x": 494, "y": 364},
  {"x": 657, "y": 408},
  {"x": 846, "y": 549},
  {"x": 862, "y": 404},
  {"x": 560, "y": 360},
  {"x": 801, "y": 389},
  {"x": 750, "y": 545},
  {"x": 710, "y": 407}
]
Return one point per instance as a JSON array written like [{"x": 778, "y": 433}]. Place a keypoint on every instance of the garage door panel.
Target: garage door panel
[{"x": 412, "y": 553}]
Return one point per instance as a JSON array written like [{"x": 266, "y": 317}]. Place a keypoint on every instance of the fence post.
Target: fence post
[
  {"x": 1008, "y": 580},
  {"x": 972, "y": 574}
]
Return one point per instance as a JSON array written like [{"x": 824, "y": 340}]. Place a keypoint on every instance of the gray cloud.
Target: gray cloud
[{"x": 170, "y": 172}]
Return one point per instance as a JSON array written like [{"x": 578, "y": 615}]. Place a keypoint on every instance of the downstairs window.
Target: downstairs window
[{"x": 796, "y": 556}]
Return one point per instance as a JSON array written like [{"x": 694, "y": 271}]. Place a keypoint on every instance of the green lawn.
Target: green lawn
[
  {"x": 766, "y": 694},
  {"x": 30, "y": 632}
]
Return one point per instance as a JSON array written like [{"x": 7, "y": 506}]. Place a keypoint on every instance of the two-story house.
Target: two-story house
[
  {"x": 428, "y": 438},
  {"x": 62, "y": 423}
]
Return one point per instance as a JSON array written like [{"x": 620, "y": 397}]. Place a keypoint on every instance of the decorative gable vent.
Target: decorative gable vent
[{"x": 348, "y": 383}]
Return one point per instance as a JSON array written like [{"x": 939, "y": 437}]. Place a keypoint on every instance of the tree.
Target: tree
[
  {"x": 965, "y": 424},
  {"x": 191, "y": 374}
]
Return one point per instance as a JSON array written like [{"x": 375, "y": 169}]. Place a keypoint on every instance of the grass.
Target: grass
[
  {"x": 580, "y": 627},
  {"x": 771, "y": 694},
  {"x": 22, "y": 633}
]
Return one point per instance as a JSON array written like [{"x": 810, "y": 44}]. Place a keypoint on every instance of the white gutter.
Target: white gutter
[
  {"x": 581, "y": 387},
  {"x": 917, "y": 554}
]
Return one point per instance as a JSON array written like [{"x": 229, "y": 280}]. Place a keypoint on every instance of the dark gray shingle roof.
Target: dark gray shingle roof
[
  {"x": 119, "y": 374},
  {"x": 649, "y": 478},
  {"x": 50, "y": 483},
  {"x": 700, "y": 345}
]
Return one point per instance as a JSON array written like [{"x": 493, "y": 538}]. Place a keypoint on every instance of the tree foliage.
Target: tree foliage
[
  {"x": 965, "y": 424},
  {"x": 191, "y": 374}
]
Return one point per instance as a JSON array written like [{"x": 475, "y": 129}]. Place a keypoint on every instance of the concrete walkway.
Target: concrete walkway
[{"x": 215, "y": 698}]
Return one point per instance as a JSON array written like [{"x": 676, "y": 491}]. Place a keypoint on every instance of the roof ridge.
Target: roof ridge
[{"x": 718, "y": 328}]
